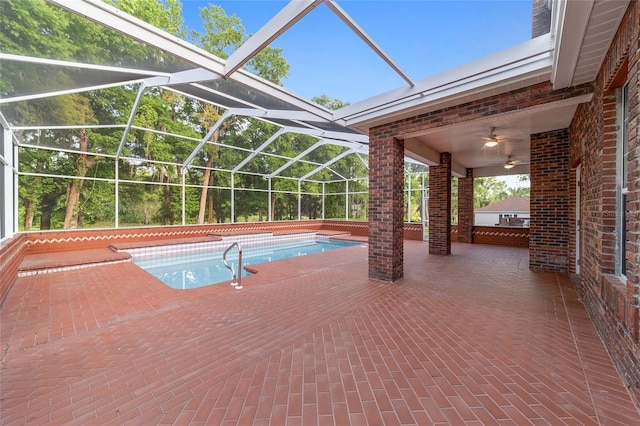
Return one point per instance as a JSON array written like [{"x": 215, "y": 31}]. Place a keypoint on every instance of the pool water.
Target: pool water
[{"x": 186, "y": 271}]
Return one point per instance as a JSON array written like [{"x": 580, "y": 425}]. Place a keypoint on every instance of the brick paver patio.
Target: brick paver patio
[{"x": 474, "y": 338}]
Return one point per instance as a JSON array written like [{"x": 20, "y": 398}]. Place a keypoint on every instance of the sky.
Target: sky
[{"x": 423, "y": 37}]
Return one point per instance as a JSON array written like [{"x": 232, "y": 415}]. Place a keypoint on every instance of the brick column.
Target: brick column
[
  {"x": 549, "y": 230},
  {"x": 465, "y": 208},
  {"x": 440, "y": 206},
  {"x": 386, "y": 207}
]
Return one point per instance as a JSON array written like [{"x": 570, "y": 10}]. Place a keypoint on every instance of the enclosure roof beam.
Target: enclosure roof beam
[
  {"x": 275, "y": 114},
  {"x": 298, "y": 157},
  {"x": 362, "y": 160},
  {"x": 281, "y": 22},
  {"x": 111, "y": 17},
  {"x": 327, "y": 164},
  {"x": 365, "y": 37},
  {"x": 195, "y": 75},
  {"x": 360, "y": 138},
  {"x": 134, "y": 110},
  {"x": 204, "y": 140},
  {"x": 3, "y": 121},
  {"x": 258, "y": 150}
]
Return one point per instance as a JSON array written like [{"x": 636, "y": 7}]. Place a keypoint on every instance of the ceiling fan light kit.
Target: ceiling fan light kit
[{"x": 509, "y": 163}]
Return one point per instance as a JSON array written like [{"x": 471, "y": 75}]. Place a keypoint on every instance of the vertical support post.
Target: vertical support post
[
  {"x": 409, "y": 200},
  {"x": 323, "y": 183},
  {"x": 422, "y": 200},
  {"x": 299, "y": 200},
  {"x": 346, "y": 200},
  {"x": 14, "y": 169},
  {"x": 440, "y": 206},
  {"x": 233, "y": 198},
  {"x": 386, "y": 206},
  {"x": 465, "y": 208},
  {"x": 9, "y": 224},
  {"x": 117, "y": 194},
  {"x": 549, "y": 228},
  {"x": 184, "y": 196},
  {"x": 269, "y": 201}
]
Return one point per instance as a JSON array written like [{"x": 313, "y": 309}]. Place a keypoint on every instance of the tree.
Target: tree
[
  {"x": 223, "y": 35},
  {"x": 36, "y": 28},
  {"x": 520, "y": 191},
  {"x": 488, "y": 190}
]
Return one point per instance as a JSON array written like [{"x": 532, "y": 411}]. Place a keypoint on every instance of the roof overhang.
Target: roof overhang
[
  {"x": 582, "y": 33},
  {"x": 523, "y": 65}
]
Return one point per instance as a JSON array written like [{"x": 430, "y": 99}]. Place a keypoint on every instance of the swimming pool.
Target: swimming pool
[{"x": 197, "y": 268}]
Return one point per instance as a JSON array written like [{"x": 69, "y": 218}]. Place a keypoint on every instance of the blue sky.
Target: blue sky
[{"x": 424, "y": 37}]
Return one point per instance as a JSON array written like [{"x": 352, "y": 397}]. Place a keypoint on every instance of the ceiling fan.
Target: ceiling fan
[
  {"x": 493, "y": 139},
  {"x": 510, "y": 163}
]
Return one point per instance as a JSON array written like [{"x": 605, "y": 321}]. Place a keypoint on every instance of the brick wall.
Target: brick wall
[
  {"x": 498, "y": 236},
  {"x": 549, "y": 203},
  {"x": 47, "y": 241},
  {"x": 12, "y": 252},
  {"x": 82, "y": 239},
  {"x": 465, "y": 208},
  {"x": 632, "y": 34},
  {"x": 612, "y": 303},
  {"x": 386, "y": 206},
  {"x": 440, "y": 207},
  {"x": 535, "y": 95}
]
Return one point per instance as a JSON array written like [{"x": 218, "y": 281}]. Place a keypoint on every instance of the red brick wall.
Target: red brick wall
[
  {"x": 360, "y": 229},
  {"x": 549, "y": 203},
  {"x": 386, "y": 205},
  {"x": 632, "y": 34},
  {"x": 498, "y": 236},
  {"x": 465, "y": 208},
  {"x": 79, "y": 239},
  {"x": 440, "y": 207},
  {"x": 12, "y": 252},
  {"x": 45, "y": 241},
  {"x": 411, "y": 231},
  {"x": 538, "y": 94},
  {"x": 611, "y": 302}
]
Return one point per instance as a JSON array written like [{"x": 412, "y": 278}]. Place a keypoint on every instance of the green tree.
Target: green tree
[
  {"x": 36, "y": 28},
  {"x": 521, "y": 191},
  {"x": 223, "y": 35},
  {"x": 488, "y": 190}
]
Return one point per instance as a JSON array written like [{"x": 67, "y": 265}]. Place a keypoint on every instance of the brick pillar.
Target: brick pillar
[
  {"x": 440, "y": 206},
  {"x": 386, "y": 207},
  {"x": 549, "y": 230},
  {"x": 465, "y": 208}
]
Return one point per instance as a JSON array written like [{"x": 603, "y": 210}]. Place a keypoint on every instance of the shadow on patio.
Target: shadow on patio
[{"x": 473, "y": 338}]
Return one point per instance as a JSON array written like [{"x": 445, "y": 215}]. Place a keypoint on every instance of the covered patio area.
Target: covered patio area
[{"x": 471, "y": 338}]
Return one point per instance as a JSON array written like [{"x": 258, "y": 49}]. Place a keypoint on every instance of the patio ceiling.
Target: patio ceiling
[{"x": 569, "y": 55}]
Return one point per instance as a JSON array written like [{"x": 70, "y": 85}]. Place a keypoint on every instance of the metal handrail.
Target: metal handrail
[{"x": 237, "y": 284}]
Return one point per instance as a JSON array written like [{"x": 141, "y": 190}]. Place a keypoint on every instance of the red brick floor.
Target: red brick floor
[{"x": 474, "y": 338}]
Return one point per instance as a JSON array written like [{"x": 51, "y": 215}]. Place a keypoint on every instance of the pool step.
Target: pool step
[{"x": 42, "y": 263}]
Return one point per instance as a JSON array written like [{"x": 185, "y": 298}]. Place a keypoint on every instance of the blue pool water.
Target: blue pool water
[{"x": 185, "y": 271}]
